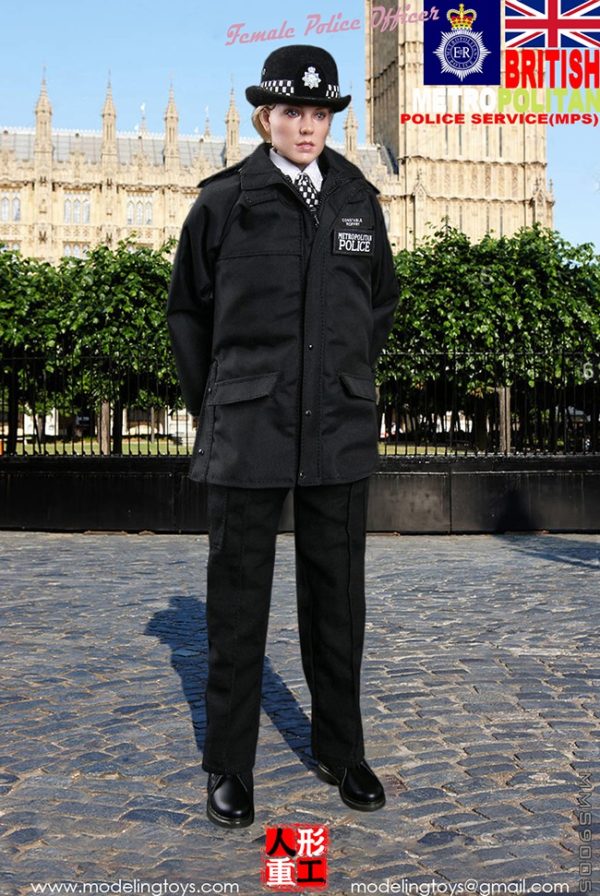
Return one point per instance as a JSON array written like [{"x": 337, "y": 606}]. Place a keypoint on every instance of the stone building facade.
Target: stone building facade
[{"x": 63, "y": 191}]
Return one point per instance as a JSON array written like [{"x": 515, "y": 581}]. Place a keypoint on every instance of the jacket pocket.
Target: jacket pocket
[
  {"x": 359, "y": 386},
  {"x": 244, "y": 388}
]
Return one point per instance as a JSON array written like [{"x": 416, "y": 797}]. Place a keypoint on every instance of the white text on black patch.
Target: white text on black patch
[{"x": 352, "y": 242}]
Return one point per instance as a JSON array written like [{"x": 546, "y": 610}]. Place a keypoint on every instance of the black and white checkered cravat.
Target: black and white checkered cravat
[{"x": 308, "y": 191}]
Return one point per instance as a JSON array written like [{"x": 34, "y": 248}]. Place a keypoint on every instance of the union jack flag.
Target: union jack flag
[{"x": 552, "y": 23}]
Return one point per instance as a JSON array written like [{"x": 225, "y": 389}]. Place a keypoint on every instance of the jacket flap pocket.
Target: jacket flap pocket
[
  {"x": 360, "y": 386},
  {"x": 243, "y": 388},
  {"x": 255, "y": 197}
]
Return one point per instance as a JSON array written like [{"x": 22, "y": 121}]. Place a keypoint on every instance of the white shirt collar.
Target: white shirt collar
[{"x": 287, "y": 167}]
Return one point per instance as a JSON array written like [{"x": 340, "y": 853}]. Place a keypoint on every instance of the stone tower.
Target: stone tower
[
  {"x": 42, "y": 168},
  {"x": 481, "y": 178}
]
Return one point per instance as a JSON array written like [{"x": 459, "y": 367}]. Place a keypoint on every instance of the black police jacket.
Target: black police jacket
[{"x": 276, "y": 325}]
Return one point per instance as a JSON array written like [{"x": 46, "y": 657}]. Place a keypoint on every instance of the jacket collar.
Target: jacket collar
[{"x": 258, "y": 171}]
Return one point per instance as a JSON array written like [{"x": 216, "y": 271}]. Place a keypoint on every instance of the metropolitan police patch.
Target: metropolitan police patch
[{"x": 352, "y": 242}]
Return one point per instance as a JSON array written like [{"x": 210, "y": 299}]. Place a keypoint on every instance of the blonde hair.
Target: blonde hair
[
  {"x": 258, "y": 125},
  {"x": 257, "y": 122}
]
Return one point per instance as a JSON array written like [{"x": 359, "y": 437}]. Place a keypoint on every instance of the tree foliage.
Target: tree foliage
[
  {"x": 91, "y": 327},
  {"x": 500, "y": 307}
]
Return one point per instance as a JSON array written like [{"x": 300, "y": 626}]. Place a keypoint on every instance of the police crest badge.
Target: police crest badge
[
  {"x": 462, "y": 50},
  {"x": 463, "y": 54},
  {"x": 310, "y": 78}
]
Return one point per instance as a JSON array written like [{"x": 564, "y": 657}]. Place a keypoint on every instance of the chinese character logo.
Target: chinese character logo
[{"x": 295, "y": 857}]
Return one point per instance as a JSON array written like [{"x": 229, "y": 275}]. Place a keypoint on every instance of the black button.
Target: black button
[
  {"x": 200, "y": 450},
  {"x": 307, "y": 413},
  {"x": 310, "y": 345},
  {"x": 301, "y": 474},
  {"x": 210, "y": 388}
]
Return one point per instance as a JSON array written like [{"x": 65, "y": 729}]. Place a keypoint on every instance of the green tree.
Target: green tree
[
  {"x": 115, "y": 322},
  {"x": 29, "y": 321},
  {"x": 483, "y": 316},
  {"x": 86, "y": 330}
]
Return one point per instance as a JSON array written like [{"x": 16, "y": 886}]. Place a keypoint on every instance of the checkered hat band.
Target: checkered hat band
[
  {"x": 278, "y": 86},
  {"x": 287, "y": 87}
]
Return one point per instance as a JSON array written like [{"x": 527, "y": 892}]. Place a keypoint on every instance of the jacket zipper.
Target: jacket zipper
[{"x": 314, "y": 217}]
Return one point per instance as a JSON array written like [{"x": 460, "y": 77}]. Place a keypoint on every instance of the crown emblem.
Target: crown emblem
[{"x": 461, "y": 19}]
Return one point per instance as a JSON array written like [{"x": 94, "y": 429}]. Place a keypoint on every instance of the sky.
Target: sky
[{"x": 148, "y": 46}]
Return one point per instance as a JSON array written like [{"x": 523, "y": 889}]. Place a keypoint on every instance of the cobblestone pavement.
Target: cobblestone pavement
[{"x": 480, "y": 701}]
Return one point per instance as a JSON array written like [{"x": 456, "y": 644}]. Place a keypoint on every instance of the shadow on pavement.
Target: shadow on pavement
[
  {"x": 558, "y": 548},
  {"x": 183, "y": 628}
]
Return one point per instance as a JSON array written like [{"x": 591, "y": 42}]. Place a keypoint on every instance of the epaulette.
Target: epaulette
[
  {"x": 224, "y": 173},
  {"x": 342, "y": 163}
]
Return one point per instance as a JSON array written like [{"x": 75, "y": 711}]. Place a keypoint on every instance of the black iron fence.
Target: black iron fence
[{"x": 461, "y": 403}]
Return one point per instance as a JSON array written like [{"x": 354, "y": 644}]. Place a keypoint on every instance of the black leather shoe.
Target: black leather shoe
[
  {"x": 230, "y": 802},
  {"x": 359, "y": 786}
]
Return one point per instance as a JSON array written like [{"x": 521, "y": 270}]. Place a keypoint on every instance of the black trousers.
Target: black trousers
[{"x": 330, "y": 537}]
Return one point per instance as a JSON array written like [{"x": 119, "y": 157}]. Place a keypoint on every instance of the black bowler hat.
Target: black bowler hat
[{"x": 301, "y": 75}]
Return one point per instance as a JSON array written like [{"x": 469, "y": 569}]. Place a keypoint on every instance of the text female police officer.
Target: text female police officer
[{"x": 282, "y": 297}]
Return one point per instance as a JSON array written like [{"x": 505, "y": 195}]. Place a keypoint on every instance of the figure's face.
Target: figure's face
[{"x": 297, "y": 132}]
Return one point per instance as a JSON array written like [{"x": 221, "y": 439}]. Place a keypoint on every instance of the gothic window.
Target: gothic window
[
  {"x": 487, "y": 141},
  {"x": 500, "y": 141},
  {"x": 10, "y": 208},
  {"x": 139, "y": 210},
  {"x": 75, "y": 250},
  {"x": 76, "y": 209}
]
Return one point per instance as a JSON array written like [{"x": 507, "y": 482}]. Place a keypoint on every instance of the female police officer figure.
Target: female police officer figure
[{"x": 282, "y": 297}]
